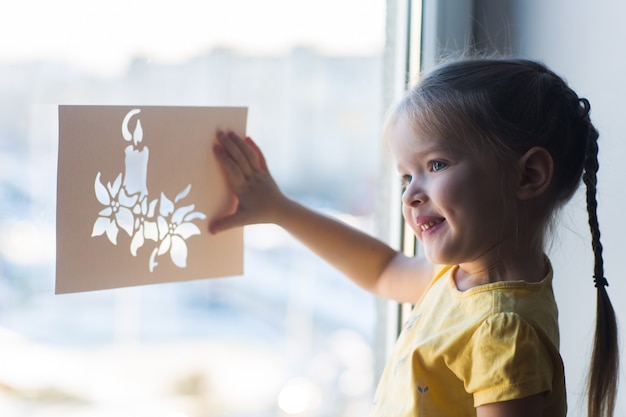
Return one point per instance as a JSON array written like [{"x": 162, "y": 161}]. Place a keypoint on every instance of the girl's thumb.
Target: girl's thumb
[{"x": 219, "y": 225}]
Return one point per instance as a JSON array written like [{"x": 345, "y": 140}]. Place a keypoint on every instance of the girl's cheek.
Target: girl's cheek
[{"x": 406, "y": 214}]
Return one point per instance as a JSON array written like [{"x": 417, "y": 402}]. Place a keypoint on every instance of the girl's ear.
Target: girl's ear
[{"x": 535, "y": 170}]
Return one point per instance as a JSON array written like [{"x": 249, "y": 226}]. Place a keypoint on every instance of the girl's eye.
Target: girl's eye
[
  {"x": 406, "y": 180},
  {"x": 437, "y": 166}
]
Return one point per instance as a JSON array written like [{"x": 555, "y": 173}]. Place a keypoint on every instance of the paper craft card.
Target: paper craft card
[{"x": 137, "y": 187}]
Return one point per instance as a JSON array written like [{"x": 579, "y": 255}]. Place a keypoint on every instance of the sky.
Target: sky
[{"x": 103, "y": 36}]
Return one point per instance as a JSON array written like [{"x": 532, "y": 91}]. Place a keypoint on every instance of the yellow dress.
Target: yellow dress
[{"x": 459, "y": 350}]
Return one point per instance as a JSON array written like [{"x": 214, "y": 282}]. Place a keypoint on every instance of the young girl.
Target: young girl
[{"x": 488, "y": 151}]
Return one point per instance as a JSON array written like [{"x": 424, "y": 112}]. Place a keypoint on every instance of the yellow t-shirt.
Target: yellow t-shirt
[{"x": 459, "y": 350}]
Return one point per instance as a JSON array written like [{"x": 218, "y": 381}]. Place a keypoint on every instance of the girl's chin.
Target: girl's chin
[
  {"x": 433, "y": 258},
  {"x": 437, "y": 258}
]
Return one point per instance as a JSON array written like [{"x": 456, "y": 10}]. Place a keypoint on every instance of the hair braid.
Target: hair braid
[{"x": 603, "y": 372}]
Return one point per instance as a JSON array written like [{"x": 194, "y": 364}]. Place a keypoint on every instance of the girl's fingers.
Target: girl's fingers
[
  {"x": 234, "y": 151},
  {"x": 257, "y": 153},
  {"x": 245, "y": 147},
  {"x": 237, "y": 219},
  {"x": 230, "y": 167},
  {"x": 240, "y": 151},
  {"x": 219, "y": 225},
  {"x": 246, "y": 172}
]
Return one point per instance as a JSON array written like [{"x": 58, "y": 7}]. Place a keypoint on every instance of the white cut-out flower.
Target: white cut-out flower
[
  {"x": 127, "y": 206},
  {"x": 117, "y": 213},
  {"x": 144, "y": 227},
  {"x": 173, "y": 233}
]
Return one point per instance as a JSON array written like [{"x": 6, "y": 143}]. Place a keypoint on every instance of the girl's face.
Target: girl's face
[{"x": 454, "y": 201}]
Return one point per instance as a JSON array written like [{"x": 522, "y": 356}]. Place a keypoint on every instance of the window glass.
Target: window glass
[{"x": 289, "y": 337}]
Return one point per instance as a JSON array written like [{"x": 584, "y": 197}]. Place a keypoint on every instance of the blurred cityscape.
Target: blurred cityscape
[{"x": 290, "y": 337}]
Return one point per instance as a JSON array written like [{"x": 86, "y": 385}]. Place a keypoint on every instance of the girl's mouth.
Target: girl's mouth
[{"x": 428, "y": 225}]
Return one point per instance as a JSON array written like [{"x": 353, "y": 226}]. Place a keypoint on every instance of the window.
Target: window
[{"x": 291, "y": 337}]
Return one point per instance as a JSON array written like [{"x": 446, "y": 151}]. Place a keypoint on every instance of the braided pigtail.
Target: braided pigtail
[{"x": 604, "y": 367}]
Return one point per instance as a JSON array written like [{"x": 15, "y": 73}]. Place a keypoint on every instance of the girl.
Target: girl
[{"x": 488, "y": 151}]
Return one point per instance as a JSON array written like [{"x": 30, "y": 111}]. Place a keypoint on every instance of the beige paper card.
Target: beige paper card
[{"x": 137, "y": 187}]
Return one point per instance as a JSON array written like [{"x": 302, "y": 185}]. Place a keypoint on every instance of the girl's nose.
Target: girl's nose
[{"x": 413, "y": 194}]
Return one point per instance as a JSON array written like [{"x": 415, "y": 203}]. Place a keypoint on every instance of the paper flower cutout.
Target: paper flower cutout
[
  {"x": 117, "y": 213},
  {"x": 128, "y": 207},
  {"x": 174, "y": 228},
  {"x": 145, "y": 228}
]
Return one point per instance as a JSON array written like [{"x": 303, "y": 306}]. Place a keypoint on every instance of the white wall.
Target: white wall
[{"x": 583, "y": 41}]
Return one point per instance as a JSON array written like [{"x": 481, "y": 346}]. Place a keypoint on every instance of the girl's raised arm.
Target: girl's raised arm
[{"x": 369, "y": 262}]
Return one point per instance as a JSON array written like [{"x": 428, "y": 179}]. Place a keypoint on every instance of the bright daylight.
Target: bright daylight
[{"x": 289, "y": 336}]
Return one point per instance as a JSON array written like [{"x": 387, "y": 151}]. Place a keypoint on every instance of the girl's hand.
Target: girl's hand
[{"x": 247, "y": 174}]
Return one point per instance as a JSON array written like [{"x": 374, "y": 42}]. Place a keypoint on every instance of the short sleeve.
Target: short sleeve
[{"x": 505, "y": 359}]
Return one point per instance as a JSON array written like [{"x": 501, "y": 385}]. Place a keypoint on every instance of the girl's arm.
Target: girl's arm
[
  {"x": 369, "y": 262},
  {"x": 524, "y": 407}
]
